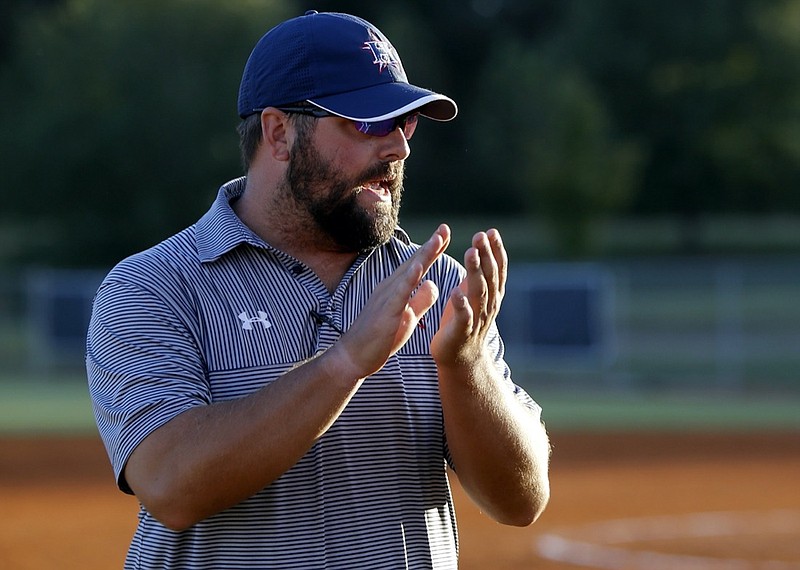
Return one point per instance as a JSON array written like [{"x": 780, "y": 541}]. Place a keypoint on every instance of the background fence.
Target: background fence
[
  {"x": 692, "y": 324},
  {"x": 696, "y": 325}
]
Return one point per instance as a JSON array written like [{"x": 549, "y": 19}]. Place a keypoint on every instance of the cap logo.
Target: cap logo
[{"x": 383, "y": 53}]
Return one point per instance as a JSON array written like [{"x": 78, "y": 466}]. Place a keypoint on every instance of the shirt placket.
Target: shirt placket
[
  {"x": 328, "y": 321},
  {"x": 327, "y": 316}
]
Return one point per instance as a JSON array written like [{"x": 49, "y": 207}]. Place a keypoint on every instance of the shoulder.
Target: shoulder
[
  {"x": 179, "y": 249},
  {"x": 161, "y": 268}
]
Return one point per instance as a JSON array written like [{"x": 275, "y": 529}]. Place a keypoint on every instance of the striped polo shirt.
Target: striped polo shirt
[{"x": 214, "y": 313}]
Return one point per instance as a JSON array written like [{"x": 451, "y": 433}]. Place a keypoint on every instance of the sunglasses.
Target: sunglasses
[{"x": 408, "y": 123}]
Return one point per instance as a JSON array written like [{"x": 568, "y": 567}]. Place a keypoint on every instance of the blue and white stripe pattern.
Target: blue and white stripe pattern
[{"x": 214, "y": 313}]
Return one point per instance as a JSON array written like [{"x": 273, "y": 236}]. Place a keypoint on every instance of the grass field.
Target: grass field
[
  {"x": 60, "y": 405},
  {"x": 37, "y": 404}
]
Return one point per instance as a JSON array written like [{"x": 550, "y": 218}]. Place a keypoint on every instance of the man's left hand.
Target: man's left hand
[{"x": 473, "y": 305}]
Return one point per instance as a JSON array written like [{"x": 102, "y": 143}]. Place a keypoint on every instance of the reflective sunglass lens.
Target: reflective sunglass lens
[
  {"x": 377, "y": 128},
  {"x": 384, "y": 128}
]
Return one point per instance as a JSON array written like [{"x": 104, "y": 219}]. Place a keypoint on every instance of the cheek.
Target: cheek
[
  {"x": 348, "y": 154},
  {"x": 350, "y": 159}
]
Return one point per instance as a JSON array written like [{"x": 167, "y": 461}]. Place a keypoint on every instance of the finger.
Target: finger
[
  {"x": 489, "y": 268},
  {"x": 462, "y": 313},
  {"x": 501, "y": 259},
  {"x": 408, "y": 275},
  {"x": 426, "y": 254},
  {"x": 394, "y": 292},
  {"x": 477, "y": 290},
  {"x": 436, "y": 245}
]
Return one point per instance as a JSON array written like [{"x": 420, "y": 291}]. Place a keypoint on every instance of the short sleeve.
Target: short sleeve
[{"x": 143, "y": 366}]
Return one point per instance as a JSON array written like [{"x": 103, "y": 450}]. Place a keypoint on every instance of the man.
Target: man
[{"x": 282, "y": 384}]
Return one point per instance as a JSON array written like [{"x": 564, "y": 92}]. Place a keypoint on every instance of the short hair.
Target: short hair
[
  {"x": 250, "y": 134},
  {"x": 249, "y": 138}
]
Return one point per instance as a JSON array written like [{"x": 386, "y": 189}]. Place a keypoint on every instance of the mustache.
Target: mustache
[{"x": 392, "y": 171}]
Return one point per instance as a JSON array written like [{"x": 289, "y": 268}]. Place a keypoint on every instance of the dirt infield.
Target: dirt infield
[{"x": 628, "y": 501}]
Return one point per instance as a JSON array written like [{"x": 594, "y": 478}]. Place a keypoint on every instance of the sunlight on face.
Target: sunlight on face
[{"x": 332, "y": 199}]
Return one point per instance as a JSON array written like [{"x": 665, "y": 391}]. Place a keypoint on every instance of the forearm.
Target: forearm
[
  {"x": 499, "y": 447},
  {"x": 212, "y": 457}
]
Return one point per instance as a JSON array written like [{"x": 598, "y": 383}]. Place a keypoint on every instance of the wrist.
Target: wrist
[
  {"x": 339, "y": 366},
  {"x": 464, "y": 359}
]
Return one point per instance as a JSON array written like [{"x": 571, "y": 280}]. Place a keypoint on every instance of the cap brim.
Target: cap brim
[{"x": 388, "y": 100}]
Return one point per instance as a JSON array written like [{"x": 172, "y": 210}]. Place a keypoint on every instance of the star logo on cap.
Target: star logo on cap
[{"x": 383, "y": 53}]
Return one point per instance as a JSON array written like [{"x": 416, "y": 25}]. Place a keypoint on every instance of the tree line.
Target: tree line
[{"x": 118, "y": 118}]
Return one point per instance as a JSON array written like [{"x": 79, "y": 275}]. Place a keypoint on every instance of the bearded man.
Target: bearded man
[{"x": 283, "y": 384}]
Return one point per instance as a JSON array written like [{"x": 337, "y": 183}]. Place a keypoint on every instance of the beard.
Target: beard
[{"x": 331, "y": 199}]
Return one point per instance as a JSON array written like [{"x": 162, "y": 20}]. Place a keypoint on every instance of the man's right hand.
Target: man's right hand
[{"x": 392, "y": 312}]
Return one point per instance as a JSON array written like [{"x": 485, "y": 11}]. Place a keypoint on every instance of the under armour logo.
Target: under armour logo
[
  {"x": 248, "y": 321},
  {"x": 383, "y": 53}
]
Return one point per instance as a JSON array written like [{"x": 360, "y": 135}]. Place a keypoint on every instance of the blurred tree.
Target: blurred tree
[
  {"x": 119, "y": 119},
  {"x": 755, "y": 142},
  {"x": 10, "y": 11},
  {"x": 711, "y": 85},
  {"x": 551, "y": 145}
]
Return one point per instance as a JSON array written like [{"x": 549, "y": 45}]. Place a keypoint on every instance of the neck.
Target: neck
[{"x": 281, "y": 223}]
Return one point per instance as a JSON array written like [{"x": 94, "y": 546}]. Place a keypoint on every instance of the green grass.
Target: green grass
[
  {"x": 61, "y": 406},
  {"x": 30, "y": 405},
  {"x": 668, "y": 412}
]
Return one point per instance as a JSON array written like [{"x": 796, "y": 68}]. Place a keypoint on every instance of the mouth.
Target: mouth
[{"x": 378, "y": 189}]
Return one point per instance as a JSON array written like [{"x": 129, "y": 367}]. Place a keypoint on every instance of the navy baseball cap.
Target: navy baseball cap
[{"x": 338, "y": 62}]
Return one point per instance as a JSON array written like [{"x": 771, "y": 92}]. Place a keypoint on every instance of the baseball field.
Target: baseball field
[{"x": 637, "y": 483}]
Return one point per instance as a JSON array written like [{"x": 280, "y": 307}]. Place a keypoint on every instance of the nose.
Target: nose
[{"x": 394, "y": 146}]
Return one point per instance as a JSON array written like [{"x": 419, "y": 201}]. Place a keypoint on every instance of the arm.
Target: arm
[
  {"x": 499, "y": 447},
  {"x": 211, "y": 457}
]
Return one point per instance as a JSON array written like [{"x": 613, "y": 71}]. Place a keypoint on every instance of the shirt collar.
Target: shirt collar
[{"x": 220, "y": 230}]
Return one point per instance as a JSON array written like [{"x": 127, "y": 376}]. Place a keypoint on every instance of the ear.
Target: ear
[{"x": 275, "y": 133}]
